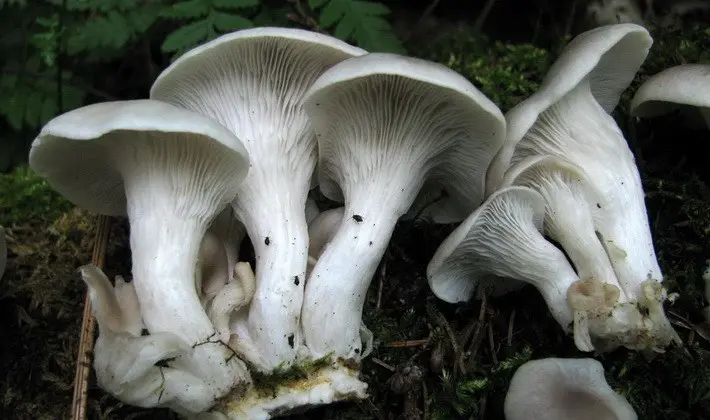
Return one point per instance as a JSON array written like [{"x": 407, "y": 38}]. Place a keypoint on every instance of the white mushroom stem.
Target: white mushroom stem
[
  {"x": 597, "y": 145},
  {"x": 233, "y": 296},
  {"x": 337, "y": 286},
  {"x": 165, "y": 238},
  {"x": 564, "y": 389},
  {"x": 279, "y": 234}
]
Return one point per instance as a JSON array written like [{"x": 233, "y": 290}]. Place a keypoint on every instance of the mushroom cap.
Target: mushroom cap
[
  {"x": 608, "y": 56},
  {"x": 252, "y": 81},
  {"x": 687, "y": 84},
  {"x": 77, "y": 152},
  {"x": 464, "y": 128},
  {"x": 459, "y": 263},
  {"x": 563, "y": 389},
  {"x": 221, "y": 50}
]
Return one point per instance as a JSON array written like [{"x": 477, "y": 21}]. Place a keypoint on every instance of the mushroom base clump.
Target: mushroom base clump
[
  {"x": 321, "y": 386},
  {"x": 603, "y": 323}
]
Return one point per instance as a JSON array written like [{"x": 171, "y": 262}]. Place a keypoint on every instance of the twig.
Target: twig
[
  {"x": 441, "y": 320},
  {"x": 303, "y": 18},
  {"x": 492, "y": 344},
  {"x": 427, "y": 12},
  {"x": 425, "y": 403},
  {"x": 383, "y": 364},
  {"x": 380, "y": 284},
  {"x": 59, "y": 60},
  {"x": 407, "y": 343},
  {"x": 86, "y": 341},
  {"x": 570, "y": 18},
  {"x": 483, "y": 16},
  {"x": 511, "y": 323},
  {"x": 478, "y": 335}
]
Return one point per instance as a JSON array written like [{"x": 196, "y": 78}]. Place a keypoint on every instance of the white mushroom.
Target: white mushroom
[
  {"x": 564, "y": 389},
  {"x": 684, "y": 86},
  {"x": 321, "y": 230},
  {"x": 502, "y": 238},
  {"x": 125, "y": 361},
  {"x": 253, "y": 82},
  {"x": 385, "y": 125},
  {"x": 568, "y": 118},
  {"x": 171, "y": 171},
  {"x": 312, "y": 210},
  {"x": 569, "y": 197},
  {"x": 219, "y": 253}
]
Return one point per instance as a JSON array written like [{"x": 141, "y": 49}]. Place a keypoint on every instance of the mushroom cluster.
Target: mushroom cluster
[
  {"x": 234, "y": 136},
  {"x": 566, "y": 172}
]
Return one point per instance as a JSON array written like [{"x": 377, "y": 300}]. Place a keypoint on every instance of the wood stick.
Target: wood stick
[{"x": 86, "y": 341}]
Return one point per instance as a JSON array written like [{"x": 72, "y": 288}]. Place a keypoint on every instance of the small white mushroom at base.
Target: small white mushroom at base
[
  {"x": 564, "y": 389},
  {"x": 125, "y": 361},
  {"x": 320, "y": 231},
  {"x": 312, "y": 210},
  {"x": 233, "y": 296}
]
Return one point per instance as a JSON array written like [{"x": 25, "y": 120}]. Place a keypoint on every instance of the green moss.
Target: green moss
[
  {"x": 506, "y": 73},
  {"x": 26, "y": 197},
  {"x": 268, "y": 383}
]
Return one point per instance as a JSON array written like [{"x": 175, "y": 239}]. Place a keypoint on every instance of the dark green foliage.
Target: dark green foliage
[
  {"x": 506, "y": 73},
  {"x": 26, "y": 198},
  {"x": 363, "y": 22},
  {"x": 53, "y": 50}
]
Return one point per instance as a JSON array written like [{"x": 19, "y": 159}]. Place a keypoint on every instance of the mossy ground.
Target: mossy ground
[{"x": 415, "y": 368}]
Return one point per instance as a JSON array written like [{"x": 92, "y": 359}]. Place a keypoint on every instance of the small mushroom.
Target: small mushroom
[
  {"x": 253, "y": 82},
  {"x": 502, "y": 238},
  {"x": 171, "y": 171},
  {"x": 569, "y": 201},
  {"x": 385, "y": 125},
  {"x": 125, "y": 362},
  {"x": 682, "y": 87},
  {"x": 564, "y": 389}
]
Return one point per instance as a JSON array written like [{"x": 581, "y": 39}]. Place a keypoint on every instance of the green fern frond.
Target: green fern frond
[
  {"x": 205, "y": 20},
  {"x": 109, "y": 25},
  {"x": 30, "y": 95},
  {"x": 363, "y": 22}
]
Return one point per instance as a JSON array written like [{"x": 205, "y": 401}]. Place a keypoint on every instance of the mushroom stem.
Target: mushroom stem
[
  {"x": 164, "y": 248},
  {"x": 337, "y": 285},
  {"x": 165, "y": 242},
  {"x": 279, "y": 234}
]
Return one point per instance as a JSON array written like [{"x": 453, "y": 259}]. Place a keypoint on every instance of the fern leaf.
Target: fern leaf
[
  {"x": 210, "y": 18},
  {"x": 235, "y": 4},
  {"x": 187, "y": 36},
  {"x": 190, "y": 9},
  {"x": 361, "y": 21},
  {"x": 225, "y": 22}
]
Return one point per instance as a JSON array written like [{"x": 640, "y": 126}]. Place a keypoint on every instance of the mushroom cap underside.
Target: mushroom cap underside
[{"x": 83, "y": 154}]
